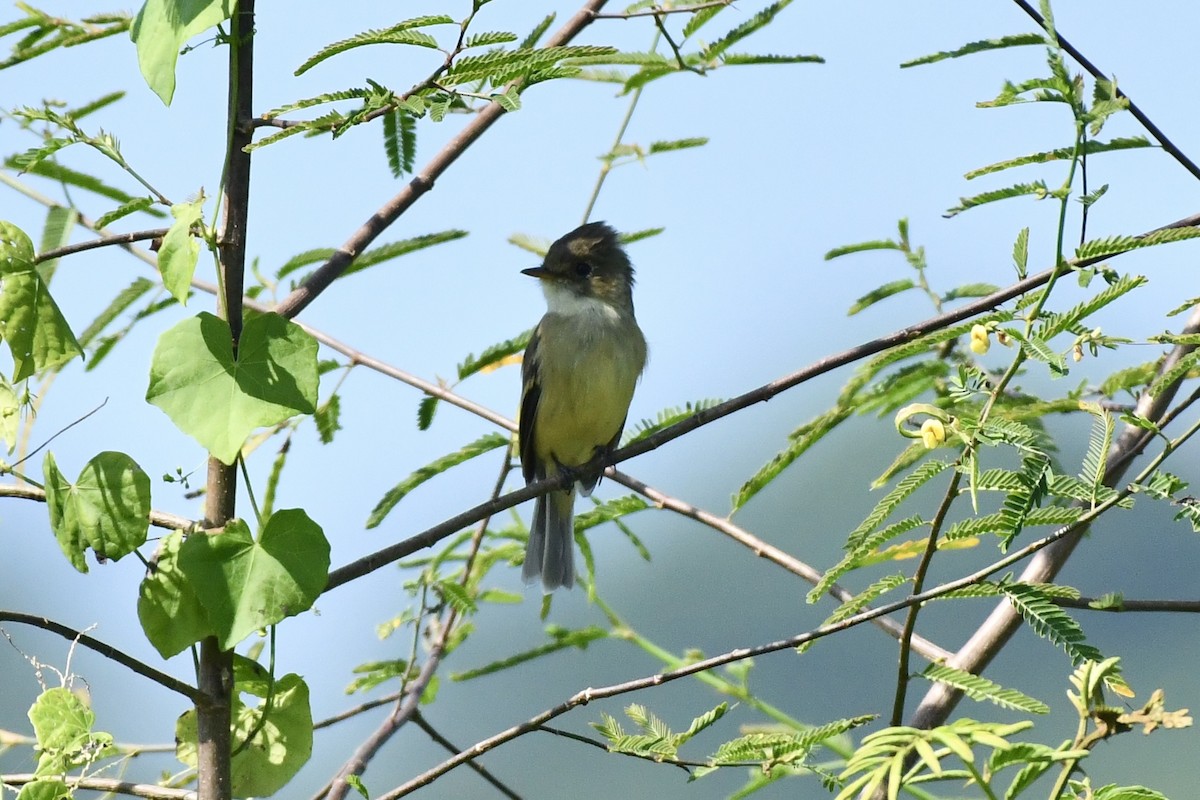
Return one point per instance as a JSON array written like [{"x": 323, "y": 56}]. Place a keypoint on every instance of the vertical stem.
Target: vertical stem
[{"x": 216, "y": 665}]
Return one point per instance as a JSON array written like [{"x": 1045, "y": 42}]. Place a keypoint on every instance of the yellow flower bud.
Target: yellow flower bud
[
  {"x": 933, "y": 433},
  {"x": 1077, "y": 353},
  {"x": 979, "y": 339}
]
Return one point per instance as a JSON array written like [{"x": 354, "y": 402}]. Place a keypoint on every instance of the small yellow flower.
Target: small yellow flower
[
  {"x": 933, "y": 433},
  {"x": 1077, "y": 353},
  {"x": 979, "y": 339}
]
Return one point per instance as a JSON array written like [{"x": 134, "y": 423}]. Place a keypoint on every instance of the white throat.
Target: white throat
[{"x": 564, "y": 302}]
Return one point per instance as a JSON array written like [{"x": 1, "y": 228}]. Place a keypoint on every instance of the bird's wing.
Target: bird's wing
[{"x": 531, "y": 393}]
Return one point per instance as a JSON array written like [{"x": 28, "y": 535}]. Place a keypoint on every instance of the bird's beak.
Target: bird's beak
[{"x": 537, "y": 272}]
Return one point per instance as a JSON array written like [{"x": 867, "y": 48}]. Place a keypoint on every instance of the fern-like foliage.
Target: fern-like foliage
[
  {"x": 666, "y": 418},
  {"x": 393, "y": 496},
  {"x": 1049, "y": 621},
  {"x": 979, "y": 688},
  {"x": 405, "y": 32},
  {"x": 560, "y": 639}
]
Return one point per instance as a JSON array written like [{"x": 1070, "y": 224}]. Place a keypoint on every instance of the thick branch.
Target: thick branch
[
  {"x": 421, "y": 183},
  {"x": 106, "y": 650}
]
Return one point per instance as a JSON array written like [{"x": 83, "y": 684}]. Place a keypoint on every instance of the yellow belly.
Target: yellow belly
[{"x": 586, "y": 390}]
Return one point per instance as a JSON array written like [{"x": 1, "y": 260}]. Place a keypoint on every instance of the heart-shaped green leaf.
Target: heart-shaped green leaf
[
  {"x": 36, "y": 331},
  {"x": 245, "y": 584},
  {"x": 107, "y": 509},
  {"x": 170, "y": 612},
  {"x": 218, "y": 400}
]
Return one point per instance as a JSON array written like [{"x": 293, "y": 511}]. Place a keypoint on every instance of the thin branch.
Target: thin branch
[
  {"x": 106, "y": 650},
  {"x": 918, "y": 582},
  {"x": 57, "y": 433},
  {"x": 110, "y": 785},
  {"x": 763, "y": 549},
  {"x": 662, "y": 11},
  {"x": 419, "y": 720},
  {"x": 105, "y": 241},
  {"x": 159, "y": 519},
  {"x": 1116, "y": 606},
  {"x": 686, "y": 766},
  {"x": 1137, "y": 113},
  {"x": 320, "y": 279},
  {"x": 588, "y": 695},
  {"x": 430, "y": 536},
  {"x": 354, "y": 711}
]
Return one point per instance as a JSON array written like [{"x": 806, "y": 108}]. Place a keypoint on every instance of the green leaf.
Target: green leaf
[
  {"x": 883, "y": 509},
  {"x": 171, "y": 615},
  {"x": 489, "y": 39},
  {"x": 162, "y": 27},
  {"x": 246, "y": 584},
  {"x": 1095, "y": 461},
  {"x": 800, "y": 440},
  {"x": 745, "y": 59},
  {"x": 425, "y": 411},
  {"x": 328, "y": 418},
  {"x": 217, "y": 400},
  {"x": 759, "y": 20},
  {"x": 1062, "y": 154},
  {"x": 864, "y": 598},
  {"x": 1114, "y": 245},
  {"x": 863, "y": 548},
  {"x": 62, "y": 723},
  {"x": 125, "y": 298},
  {"x": 127, "y": 208},
  {"x": 560, "y": 640},
  {"x": 1021, "y": 253},
  {"x": 106, "y": 509},
  {"x": 483, "y": 444},
  {"x": 1037, "y": 189},
  {"x": 1113, "y": 792},
  {"x": 37, "y": 334},
  {"x": 494, "y": 356},
  {"x": 977, "y": 687},
  {"x": 665, "y": 419},
  {"x": 400, "y": 141},
  {"x": 981, "y": 46},
  {"x": 1049, "y": 621},
  {"x": 281, "y": 746},
  {"x": 180, "y": 249},
  {"x": 45, "y": 789},
  {"x": 401, "y": 33},
  {"x": 10, "y": 415},
  {"x": 60, "y": 221},
  {"x": 881, "y": 293}
]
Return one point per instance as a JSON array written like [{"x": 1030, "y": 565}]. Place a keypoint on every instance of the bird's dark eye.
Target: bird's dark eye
[{"x": 583, "y": 269}]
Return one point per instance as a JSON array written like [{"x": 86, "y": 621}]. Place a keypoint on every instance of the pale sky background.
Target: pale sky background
[{"x": 735, "y": 293}]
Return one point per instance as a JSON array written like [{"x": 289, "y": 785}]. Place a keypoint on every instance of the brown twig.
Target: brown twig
[
  {"x": 1171, "y": 606},
  {"x": 106, "y": 650},
  {"x": 320, "y": 279},
  {"x": 105, "y": 241},
  {"x": 387, "y": 555},
  {"x": 109, "y": 785},
  {"x": 419, "y": 720},
  {"x": 1137, "y": 113}
]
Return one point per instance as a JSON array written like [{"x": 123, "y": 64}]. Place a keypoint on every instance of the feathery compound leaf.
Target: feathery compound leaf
[
  {"x": 977, "y": 687},
  {"x": 561, "y": 640},
  {"x": 400, "y": 33},
  {"x": 931, "y": 341},
  {"x": 883, "y": 509},
  {"x": 677, "y": 144},
  {"x": 637, "y": 236},
  {"x": 386, "y": 252},
  {"x": 862, "y": 247},
  {"x": 127, "y": 208},
  {"x": 1021, "y": 253},
  {"x": 665, "y": 419},
  {"x": 394, "y": 495},
  {"x": 539, "y": 30},
  {"x": 760, "y": 20},
  {"x": 1037, "y": 188},
  {"x": 741, "y": 59},
  {"x": 699, "y": 18},
  {"x": 1072, "y": 317},
  {"x": 1049, "y": 621},
  {"x": 500, "y": 66},
  {"x": 124, "y": 299},
  {"x": 867, "y": 545},
  {"x": 489, "y": 39},
  {"x": 494, "y": 355},
  {"x": 609, "y": 511},
  {"x": 57, "y": 172},
  {"x": 1062, "y": 154},
  {"x": 802, "y": 439},
  {"x": 981, "y": 46},
  {"x": 1039, "y": 349},
  {"x": 970, "y": 290},
  {"x": 1019, "y": 503},
  {"x": 400, "y": 141},
  {"x": 1113, "y": 245},
  {"x": 864, "y": 598},
  {"x": 1099, "y": 442},
  {"x": 994, "y": 523},
  {"x": 880, "y": 293},
  {"x": 1175, "y": 374}
]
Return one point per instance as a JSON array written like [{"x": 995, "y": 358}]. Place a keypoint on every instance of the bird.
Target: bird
[{"x": 578, "y": 376}]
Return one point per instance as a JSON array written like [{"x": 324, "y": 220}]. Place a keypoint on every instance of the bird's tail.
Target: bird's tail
[{"x": 550, "y": 553}]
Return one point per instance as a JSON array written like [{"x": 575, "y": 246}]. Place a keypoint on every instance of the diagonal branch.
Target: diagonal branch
[
  {"x": 149, "y": 791},
  {"x": 421, "y": 183},
  {"x": 387, "y": 555},
  {"x": 1137, "y": 113},
  {"x": 106, "y": 650}
]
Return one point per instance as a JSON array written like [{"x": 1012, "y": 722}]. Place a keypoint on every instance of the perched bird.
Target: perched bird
[{"x": 578, "y": 375}]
